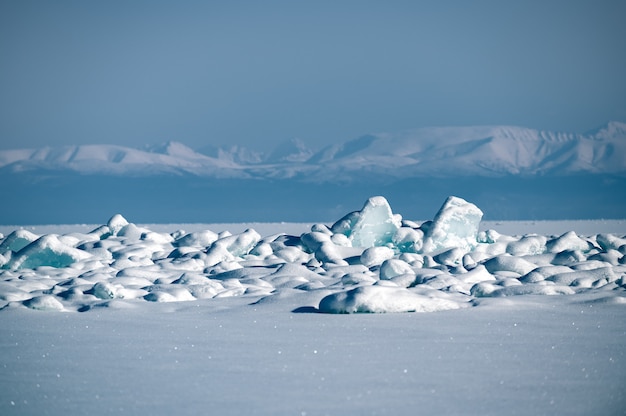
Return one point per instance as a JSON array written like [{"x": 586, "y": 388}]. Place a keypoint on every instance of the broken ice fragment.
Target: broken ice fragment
[
  {"x": 46, "y": 251},
  {"x": 375, "y": 225},
  {"x": 17, "y": 240},
  {"x": 455, "y": 225}
]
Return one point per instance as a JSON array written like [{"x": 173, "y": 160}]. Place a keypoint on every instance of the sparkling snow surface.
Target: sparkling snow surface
[{"x": 123, "y": 318}]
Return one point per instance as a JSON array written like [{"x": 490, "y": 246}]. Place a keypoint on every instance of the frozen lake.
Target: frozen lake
[{"x": 528, "y": 319}]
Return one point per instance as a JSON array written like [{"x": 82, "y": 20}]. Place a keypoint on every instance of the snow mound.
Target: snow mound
[
  {"x": 369, "y": 261},
  {"x": 382, "y": 299}
]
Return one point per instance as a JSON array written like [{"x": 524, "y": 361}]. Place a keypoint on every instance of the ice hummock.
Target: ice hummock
[
  {"x": 369, "y": 261},
  {"x": 455, "y": 226},
  {"x": 375, "y": 225},
  {"x": 47, "y": 250},
  {"x": 17, "y": 240}
]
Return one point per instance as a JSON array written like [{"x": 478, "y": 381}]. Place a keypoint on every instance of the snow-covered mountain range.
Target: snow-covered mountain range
[
  {"x": 513, "y": 172},
  {"x": 426, "y": 152}
]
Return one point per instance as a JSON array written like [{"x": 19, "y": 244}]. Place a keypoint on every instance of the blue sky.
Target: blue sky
[{"x": 258, "y": 73}]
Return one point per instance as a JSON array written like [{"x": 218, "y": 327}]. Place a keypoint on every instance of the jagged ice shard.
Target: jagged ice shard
[
  {"x": 47, "y": 250},
  {"x": 455, "y": 226},
  {"x": 373, "y": 226}
]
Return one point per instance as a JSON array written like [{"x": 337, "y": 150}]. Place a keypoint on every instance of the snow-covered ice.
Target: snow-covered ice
[{"x": 446, "y": 317}]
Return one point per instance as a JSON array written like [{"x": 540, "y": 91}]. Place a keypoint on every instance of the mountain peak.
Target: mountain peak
[
  {"x": 611, "y": 131},
  {"x": 292, "y": 150},
  {"x": 173, "y": 148},
  {"x": 424, "y": 152}
]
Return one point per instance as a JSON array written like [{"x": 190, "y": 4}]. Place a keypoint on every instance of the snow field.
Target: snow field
[
  {"x": 370, "y": 260},
  {"x": 527, "y": 355}
]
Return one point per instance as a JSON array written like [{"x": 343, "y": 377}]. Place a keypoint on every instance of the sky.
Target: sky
[{"x": 220, "y": 73}]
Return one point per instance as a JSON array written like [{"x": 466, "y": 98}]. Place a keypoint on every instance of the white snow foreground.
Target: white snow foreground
[{"x": 369, "y": 261}]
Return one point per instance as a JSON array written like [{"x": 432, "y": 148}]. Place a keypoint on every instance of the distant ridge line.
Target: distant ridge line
[{"x": 423, "y": 152}]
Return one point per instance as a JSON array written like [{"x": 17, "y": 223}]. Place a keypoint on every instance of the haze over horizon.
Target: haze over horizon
[{"x": 211, "y": 73}]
